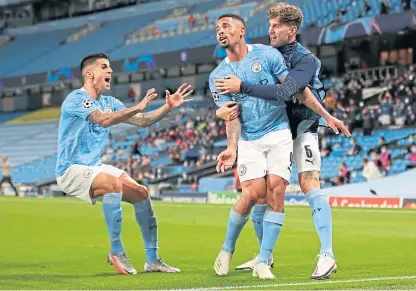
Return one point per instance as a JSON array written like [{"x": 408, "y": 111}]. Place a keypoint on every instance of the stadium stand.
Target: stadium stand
[{"x": 118, "y": 28}]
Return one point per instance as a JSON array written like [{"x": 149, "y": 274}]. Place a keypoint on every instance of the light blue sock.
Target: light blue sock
[
  {"x": 322, "y": 217},
  {"x": 257, "y": 219},
  {"x": 146, "y": 219},
  {"x": 113, "y": 217},
  {"x": 236, "y": 223},
  {"x": 272, "y": 224}
]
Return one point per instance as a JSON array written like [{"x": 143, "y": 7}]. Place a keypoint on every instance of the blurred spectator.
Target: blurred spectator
[
  {"x": 205, "y": 19},
  {"x": 155, "y": 31},
  {"x": 338, "y": 181},
  {"x": 381, "y": 142},
  {"x": 406, "y": 4},
  {"x": 344, "y": 174},
  {"x": 190, "y": 127},
  {"x": 326, "y": 148},
  {"x": 412, "y": 157},
  {"x": 191, "y": 21},
  {"x": 367, "y": 122},
  {"x": 175, "y": 155},
  {"x": 7, "y": 174},
  {"x": 370, "y": 170},
  {"x": 386, "y": 106},
  {"x": 384, "y": 7},
  {"x": 355, "y": 149},
  {"x": 399, "y": 112},
  {"x": 367, "y": 7},
  {"x": 375, "y": 159},
  {"x": 385, "y": 158}
]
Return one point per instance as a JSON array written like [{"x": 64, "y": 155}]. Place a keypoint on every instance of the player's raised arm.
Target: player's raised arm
[
  {"x": 172, "y": 101},
  {"x": 106, "y": 119}
]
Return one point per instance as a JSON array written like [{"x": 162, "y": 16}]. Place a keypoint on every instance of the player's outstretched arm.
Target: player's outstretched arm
[
  {"x": 226, "y": 159},
  {"x": 312, "y": 102},
  {"x": 172, "y": 102},
  {"x": 106, "y": 119}
]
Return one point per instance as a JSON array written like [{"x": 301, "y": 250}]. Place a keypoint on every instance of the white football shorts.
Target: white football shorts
[
  {"x": 270, "y": 154},
  {"x": 306, "y": 152},
  {"x": 78, "y": 179}
]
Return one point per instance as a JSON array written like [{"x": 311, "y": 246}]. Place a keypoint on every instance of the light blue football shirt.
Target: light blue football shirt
[
  {"x": 81, "y": 141},
  {"x": 262, "y": 65}
]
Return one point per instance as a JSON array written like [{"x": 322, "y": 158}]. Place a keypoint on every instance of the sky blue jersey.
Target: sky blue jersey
[
  {"x": 262, "y": 65},
  {"x": 81, "y": 141}
]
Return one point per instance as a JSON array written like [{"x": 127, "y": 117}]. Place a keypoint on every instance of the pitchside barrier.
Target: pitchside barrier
[{"x": 341, "y": 201}]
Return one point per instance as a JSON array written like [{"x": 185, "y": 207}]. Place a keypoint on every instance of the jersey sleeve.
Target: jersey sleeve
[
  {"x": 79, "y": 106},
  {"x": 296, "y": 81},
  {"x": 219, "y": 99},
  {"x": 117, "y": 105},
  {"x": 276, "y": 63}
]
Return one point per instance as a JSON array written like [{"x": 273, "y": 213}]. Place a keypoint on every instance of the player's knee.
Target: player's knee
[
  {"x": 309, "y": 180},
  {"x": 143, "y": 192},
  {"x": 306, "y": 187},
  {"x": 115, "y": 186},
  {"x": 246, "y": 202}
]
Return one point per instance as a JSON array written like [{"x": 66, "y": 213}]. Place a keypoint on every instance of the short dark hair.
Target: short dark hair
[
  {"x": 92, "y": 58},
  {"x": 233, "y": 16}
]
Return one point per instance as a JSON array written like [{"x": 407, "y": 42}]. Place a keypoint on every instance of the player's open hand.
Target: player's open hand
[
  {"x": 338, "y": 125},
  {"x": 225, "y": 160},
  {"x": 179, "y": 97},
  {"x": 150, "y": 96},
  {"x": 228, "y": 111},
  {"x": 231, "y": 84}
]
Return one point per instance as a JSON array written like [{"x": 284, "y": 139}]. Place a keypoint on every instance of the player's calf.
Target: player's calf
[
  {"x": 138, "y": 195},
  {"x": 273, "y": 218}
]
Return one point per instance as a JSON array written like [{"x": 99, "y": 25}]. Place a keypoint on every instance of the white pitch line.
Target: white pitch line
[{"x": 297, "y": 284}]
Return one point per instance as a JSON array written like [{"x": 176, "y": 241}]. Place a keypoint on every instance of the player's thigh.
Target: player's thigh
[
  {"x": 251, "y": 161},
  {"x": 279, "y": 154},
  {"x": 87, "y": 183},
  {"x": 133, "y": 192},
  {"x": 253, "y": 191},
  {"x": 306, "y": 152}
]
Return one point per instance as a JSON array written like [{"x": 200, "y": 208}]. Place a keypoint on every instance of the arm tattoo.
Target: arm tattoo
[
  {"x": 233, "y": 129},
  {"x": 310, "y": 175},
  {"x": 147, "y": 119}
]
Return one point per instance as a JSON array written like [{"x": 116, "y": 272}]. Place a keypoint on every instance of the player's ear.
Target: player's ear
[
  {"x": 243, "y": 31},
  {"x": 89, "y": 74}
]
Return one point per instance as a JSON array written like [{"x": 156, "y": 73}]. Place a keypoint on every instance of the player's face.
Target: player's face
[
  {"x": 229, "y": 32},
  {"x": 101, "y": 72},
  {"x": 280, "y": 34}
]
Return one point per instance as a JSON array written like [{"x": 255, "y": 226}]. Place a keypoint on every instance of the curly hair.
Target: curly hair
[{"x": 288, "y": 14}]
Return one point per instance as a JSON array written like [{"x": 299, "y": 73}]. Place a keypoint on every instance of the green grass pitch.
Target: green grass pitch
[{"x": 62, "y": 244}]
